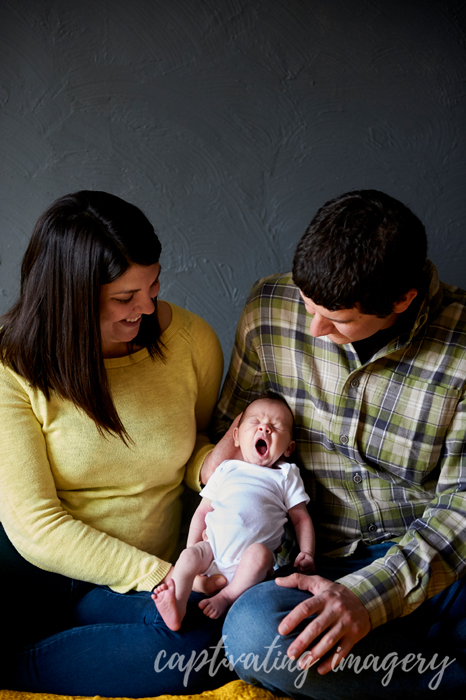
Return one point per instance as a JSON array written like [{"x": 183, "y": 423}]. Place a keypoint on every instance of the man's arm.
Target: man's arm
[
  {"x": 430, "y": 557},
  {"x": 432, "y": 553}
]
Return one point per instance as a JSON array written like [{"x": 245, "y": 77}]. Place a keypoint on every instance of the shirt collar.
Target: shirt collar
[{"x": 432, "y": 299}]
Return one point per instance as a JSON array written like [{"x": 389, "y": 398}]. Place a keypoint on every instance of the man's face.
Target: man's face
[{"x": 345, "y": 325}]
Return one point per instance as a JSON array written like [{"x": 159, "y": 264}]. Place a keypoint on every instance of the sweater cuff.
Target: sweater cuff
[
  {"x": 155, "y": 578},
  {"x": 193, "y": 468}
]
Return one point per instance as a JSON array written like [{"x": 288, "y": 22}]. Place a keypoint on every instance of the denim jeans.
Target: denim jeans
[
  {"x": 407, "y": 658},
  {"x": 73, "y": 638}
]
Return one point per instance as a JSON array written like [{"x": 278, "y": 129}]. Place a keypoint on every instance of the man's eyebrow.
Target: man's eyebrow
[
  {"x": 337, "y": 320},
  {"x": 334, "y": 320}
]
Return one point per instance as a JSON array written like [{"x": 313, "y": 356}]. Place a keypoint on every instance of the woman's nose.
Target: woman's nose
[{"x": 146, "y": 305}]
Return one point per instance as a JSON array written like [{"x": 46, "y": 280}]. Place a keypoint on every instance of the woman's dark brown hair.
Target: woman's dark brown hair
[{"x": 51, "y": 336}]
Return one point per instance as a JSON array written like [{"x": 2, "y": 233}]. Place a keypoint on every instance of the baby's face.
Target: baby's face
[{"x": 265, "y": 432}]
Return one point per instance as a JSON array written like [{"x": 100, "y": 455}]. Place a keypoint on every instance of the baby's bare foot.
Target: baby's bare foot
[
  {"x": 167, "y": 605},
  {"x": 215, "y": 607}
]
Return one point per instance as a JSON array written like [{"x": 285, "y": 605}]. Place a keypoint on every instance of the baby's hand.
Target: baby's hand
[{"x": 304, "y": 562}]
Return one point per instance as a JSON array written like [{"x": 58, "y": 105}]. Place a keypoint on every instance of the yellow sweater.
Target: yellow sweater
[{"x": 87, "y": 506}]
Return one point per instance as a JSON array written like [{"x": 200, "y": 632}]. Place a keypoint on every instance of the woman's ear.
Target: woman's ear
[{"x": 291, "y": 447}]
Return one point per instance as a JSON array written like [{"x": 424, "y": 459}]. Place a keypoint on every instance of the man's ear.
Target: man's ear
[
  {"x": 405, "y": 301},
  {"x": 290, "y": 449},
  {"x": 235, "y": 437}
]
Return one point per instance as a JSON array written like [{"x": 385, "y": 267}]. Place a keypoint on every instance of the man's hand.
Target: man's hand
[
  {"x": 340, "y": 615},
  {"x": 224, "y": 449}
]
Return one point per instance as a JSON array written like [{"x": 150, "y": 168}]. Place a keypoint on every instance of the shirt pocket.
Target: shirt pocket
[{"x": 403, "y": 427}]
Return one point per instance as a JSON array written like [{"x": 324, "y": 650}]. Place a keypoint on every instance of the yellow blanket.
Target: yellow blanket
[{"x": 230, "y": 691}]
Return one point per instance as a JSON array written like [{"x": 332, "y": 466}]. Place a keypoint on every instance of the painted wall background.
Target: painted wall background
[{"x": 229, "y": 122}]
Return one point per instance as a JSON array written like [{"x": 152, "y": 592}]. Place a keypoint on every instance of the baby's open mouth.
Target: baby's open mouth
[{"x": 261, "y": 446}]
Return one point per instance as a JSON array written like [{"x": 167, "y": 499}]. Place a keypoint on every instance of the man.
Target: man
[{"x": 369, "y": 350}]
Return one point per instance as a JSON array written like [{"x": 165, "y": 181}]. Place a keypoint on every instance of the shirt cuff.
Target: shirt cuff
[{"x": 376, "y": 587}]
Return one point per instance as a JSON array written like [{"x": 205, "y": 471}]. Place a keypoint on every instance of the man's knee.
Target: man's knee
[{"x": 251, "y": 625}]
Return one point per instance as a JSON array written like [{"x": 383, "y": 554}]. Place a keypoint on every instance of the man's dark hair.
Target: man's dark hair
[
  {"x": 52, "y": 334},
  {"x": 363, "y": 248}
]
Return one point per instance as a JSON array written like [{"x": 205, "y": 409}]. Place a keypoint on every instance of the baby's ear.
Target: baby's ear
[
  {"x": 291, "y": 447},
  {"x": 235, "y": 437}
]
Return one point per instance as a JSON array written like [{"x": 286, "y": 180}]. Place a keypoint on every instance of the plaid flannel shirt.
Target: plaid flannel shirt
[{"x": 381, "y": 444}]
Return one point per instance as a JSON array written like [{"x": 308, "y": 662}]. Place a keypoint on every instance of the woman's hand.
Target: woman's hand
[
  {"x": 224, "y": 449},
  {"x": 339, "y": 615}
]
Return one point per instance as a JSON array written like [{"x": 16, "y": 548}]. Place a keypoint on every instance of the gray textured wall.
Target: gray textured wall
[{"x": 229, "y": 122}]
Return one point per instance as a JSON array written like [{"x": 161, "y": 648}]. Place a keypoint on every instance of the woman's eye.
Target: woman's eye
[{"x": 124, "y": 301}]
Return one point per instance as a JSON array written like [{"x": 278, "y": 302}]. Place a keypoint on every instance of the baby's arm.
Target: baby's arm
[
  {"x": 304, "y": 529},
  {"x": 197, "y": 525}
]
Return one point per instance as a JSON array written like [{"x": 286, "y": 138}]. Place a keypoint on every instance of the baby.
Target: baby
[{"x": 239, "y": 522}]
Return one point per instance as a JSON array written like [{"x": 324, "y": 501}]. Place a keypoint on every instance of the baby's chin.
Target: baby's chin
[{"x": 268, "y": 461}]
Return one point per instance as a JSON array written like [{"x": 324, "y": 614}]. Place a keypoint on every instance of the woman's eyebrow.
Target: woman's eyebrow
[
  {"x": 126, "y": 291},
  {"x": 132, "y": 291}
]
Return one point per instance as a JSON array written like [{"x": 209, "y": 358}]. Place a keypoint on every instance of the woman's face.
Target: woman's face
[{"x": 122, "y": 304}]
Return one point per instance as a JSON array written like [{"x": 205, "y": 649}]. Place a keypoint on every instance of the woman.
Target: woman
[{"x": 103, "y": 390}]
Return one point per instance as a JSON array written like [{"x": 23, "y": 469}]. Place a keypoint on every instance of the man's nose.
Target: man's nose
[{"x": 320, "y": 326}]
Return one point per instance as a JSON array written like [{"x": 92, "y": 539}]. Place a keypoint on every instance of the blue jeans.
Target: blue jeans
[
  {"x": 73, "y": 638},
  {"x": 385, "y": 664}
]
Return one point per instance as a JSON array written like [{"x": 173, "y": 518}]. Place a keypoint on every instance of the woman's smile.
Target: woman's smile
[{"x": 123, "y": 304}]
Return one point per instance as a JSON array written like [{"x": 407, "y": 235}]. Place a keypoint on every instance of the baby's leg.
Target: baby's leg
[
  {"x": 255, "y": 563},
  {"x": 171, "y": 597}
]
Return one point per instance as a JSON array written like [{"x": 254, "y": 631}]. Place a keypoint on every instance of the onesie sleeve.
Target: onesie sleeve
[
  {"x": 294, "y": 491},
  {"x": 212, "y": 487}
]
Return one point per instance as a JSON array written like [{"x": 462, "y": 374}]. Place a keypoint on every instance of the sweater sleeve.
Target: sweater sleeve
[
  {"x": 208, "y": 363},
  {"x": 36, "y": 522}
]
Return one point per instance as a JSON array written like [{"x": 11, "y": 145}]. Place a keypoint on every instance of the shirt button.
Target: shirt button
[
  {"x": 372, "y": 527},
  {"x": 355, "y": 383},
  {"x": 344, "y": 439},
  {"x": 357, "y": 478}
]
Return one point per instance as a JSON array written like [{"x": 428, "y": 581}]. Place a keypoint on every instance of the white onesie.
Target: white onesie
[{"x": 250, "y": 505}]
